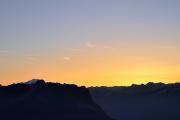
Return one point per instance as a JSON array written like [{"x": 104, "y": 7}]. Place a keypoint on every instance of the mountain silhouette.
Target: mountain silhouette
[
  {"x": 38, "y": 100},
  {"x": 153, "y": 101}
]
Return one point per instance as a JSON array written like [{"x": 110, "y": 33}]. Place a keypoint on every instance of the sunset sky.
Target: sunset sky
[{"x": 90, "y": 42}]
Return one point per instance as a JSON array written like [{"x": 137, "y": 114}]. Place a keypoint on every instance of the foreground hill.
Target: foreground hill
[
  {"x": 37, "y": 100},
  {"x": 153, "y": 101}
]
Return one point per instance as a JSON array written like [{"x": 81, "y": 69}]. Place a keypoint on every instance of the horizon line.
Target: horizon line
[{"x": 94, "y": 85}]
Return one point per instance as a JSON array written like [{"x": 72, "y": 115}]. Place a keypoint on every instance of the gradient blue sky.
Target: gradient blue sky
[{"x": 90, "y": 42}]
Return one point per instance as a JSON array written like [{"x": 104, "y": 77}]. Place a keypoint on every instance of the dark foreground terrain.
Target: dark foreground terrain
[
  {"x": 140, "y": 102},
  {"x": 48, "y": 101}
]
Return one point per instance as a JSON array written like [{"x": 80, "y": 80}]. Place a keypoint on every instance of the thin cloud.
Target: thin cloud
[
  {"x": 31, "y": 59},
  {"x": 90, "y": 45},
  {"x": 67, "y": 58}
]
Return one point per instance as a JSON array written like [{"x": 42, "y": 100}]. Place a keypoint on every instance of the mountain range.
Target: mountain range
[
  {"x": 152, "y": 101},
  {"x": 38, "y": 100}
]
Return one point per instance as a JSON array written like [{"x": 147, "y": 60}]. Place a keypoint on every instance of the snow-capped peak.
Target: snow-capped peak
[{"x": 33, "y": 81}]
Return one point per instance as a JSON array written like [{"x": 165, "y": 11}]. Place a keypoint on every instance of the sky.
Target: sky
[{"x": 90, "y": 42}]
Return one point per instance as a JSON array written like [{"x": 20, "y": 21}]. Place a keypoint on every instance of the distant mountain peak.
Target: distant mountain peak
[{"x": 33, "y": 81}]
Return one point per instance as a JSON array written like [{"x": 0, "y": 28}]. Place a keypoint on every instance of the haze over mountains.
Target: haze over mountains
[
  {"x": 153, "y": 101},
  {"x": 37, "y": 100}
]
